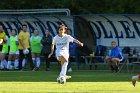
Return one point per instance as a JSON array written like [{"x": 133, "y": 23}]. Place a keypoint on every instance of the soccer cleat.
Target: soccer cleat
[
  {"x": 116, "y": 69},
  {"x": 134, "y": 80},
  {"x": 68, "y": 77},
  {"x": 23, "y": 69},
  {"x": 58, "y": 80},
  {"x": 35, "y": 69}
]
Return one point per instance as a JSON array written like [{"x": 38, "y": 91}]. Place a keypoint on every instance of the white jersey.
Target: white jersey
[{"x": 62, "y": 45}]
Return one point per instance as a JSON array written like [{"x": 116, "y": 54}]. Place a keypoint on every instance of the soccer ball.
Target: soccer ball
[
  {"x": 25, "y": 51},
  {"x": 61, "y": 79}
]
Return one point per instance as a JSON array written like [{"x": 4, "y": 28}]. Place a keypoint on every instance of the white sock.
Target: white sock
[
  {"x": 64, "y": 69},
  {"x": 2, "y": 64},
  {"x": 5, "y": 63},
  {"x": 38, "y": 62},
  {"x": 23, "y": 63},
  {"x": 34, "y": 61},
  {"x": 16, "y": 64},
  {"x": 9, "y": 65}
]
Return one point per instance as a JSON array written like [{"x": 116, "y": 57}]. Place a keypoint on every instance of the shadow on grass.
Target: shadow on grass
[{"x": 50, "y": 76}]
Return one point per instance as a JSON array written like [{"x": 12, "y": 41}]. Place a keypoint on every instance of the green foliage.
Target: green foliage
[{"x": 76, "y": 6}]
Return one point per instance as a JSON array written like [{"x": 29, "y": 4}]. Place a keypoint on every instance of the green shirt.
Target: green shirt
[
  {"x": 13, "y": 45},
  {"x": 36, "y": 44},
  {"x": 5, "y": 46}
]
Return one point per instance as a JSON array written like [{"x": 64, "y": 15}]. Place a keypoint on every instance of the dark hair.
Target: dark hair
[
  {"x": 36, "y": 30},
  {"x": 69, "y": 31},
  {"x": 47, "y": 30},
  {"x": 113, "y": 42},
  {"x": 15, "y": 31},
  {"x": 60, "y": 26},
  {"x": 24, "y": 25}
]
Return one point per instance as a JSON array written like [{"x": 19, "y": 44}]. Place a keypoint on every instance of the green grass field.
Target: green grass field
[{"x": 45, "y": 81}]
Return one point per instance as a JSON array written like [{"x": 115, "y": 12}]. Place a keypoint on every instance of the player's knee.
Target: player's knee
[{"x": 109, "y": 60}]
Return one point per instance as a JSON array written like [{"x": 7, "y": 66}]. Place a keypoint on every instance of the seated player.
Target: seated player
[{"x": 115, "y": 56}]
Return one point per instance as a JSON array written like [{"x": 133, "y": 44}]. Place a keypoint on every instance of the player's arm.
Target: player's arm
[
  {"x": 78, "y": 42},
  {"x": 17, "y": 41},
  {"x": 4, "y": 38},
  {"x": 21, "y": 44},
  {"x": 20, "y": 40},
  {"x": 52, "y": 50},
  {"x": 29, "y": 42}
]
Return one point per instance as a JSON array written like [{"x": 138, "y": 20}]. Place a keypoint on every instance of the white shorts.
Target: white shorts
[
  {"x": 63, "y": 53},
  {"x": 17, "y": 52}
]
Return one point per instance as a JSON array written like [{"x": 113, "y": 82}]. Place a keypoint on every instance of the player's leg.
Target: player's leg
[
  {"x": 47, "y": 60},
  {"x": 64, "y": 64},
  {"x": 110, "y": 64},
  {"x": 24, "y": 61},
  {"x": 21, "y": 57},
  {"x": 9, "y": 61},
  {"x": 134, "y": 79},
  {"x": 29, "y": 58},
  {"x": 3, "y": 61},
  {"x": 16, "y": 63},
  {"x": 37, "y": 62},
  {"x": 70, "y": 65},
  {"x": 34, "y": 59},
  {"x": 116, "y": 62}
]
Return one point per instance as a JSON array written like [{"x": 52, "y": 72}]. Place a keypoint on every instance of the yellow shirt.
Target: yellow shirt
[
  {"x": 3, "y": 36},
  {"x": 24, "y": 38}
]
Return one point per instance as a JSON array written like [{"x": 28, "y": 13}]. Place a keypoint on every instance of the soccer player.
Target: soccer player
[
  {"x": 115, "y": 56},
  {"x": 5, "y": 50},
  {"x": 61, "y": 41},
  {"x": 46, "y": 41},
  {"x": 2, "y": 41},
  {"x": 14, "y": 52},
  {"x": 72, "y": 51},
  {"x": 24, "y": 40},
  {"x": 36, "y": 47},
  {"x": 135, "y": 79}
]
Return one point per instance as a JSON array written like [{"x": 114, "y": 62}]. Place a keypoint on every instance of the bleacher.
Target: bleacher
[{"x": 130, "y": 62}]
